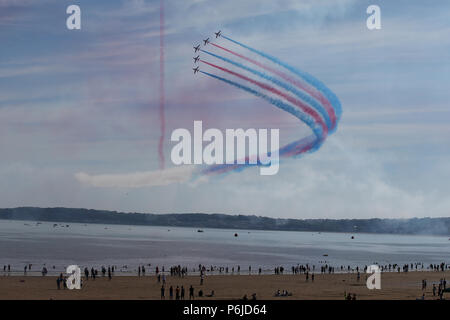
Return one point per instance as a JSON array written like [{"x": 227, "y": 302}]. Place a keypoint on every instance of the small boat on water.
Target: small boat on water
[
  {"x": 200, "y": 230},
  {"x": 235, "y": 234}
]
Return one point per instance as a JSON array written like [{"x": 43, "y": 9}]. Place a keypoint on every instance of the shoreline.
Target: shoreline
[{"x": 267, "y": 272}]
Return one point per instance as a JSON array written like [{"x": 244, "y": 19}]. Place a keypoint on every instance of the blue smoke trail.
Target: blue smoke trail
[
  {"x": 317, "y": 129},
  {"x": 304, "y": 75},
  {"x": 314, "y": 142},
  {"x": 282, "y": 84},
  {"x": 294, "y": 149}
]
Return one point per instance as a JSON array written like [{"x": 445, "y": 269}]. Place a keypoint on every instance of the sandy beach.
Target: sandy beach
[{"x": 325, "y": 286}]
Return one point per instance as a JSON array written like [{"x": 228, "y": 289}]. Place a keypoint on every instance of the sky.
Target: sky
[{"x": 76, "y": 104}]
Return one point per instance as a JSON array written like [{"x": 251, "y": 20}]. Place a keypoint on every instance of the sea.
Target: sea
[{"x": 56, "y": 245}]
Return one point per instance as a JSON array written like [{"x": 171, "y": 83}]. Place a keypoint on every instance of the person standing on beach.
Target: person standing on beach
[
  {"x": 177, "y": 293},
  {"x": 171, "y": 293},
  {"x": 109, "y": 273},
  {"x": 191, "y": 293},
  {"x": 162, "y": 292},
  {"x": 139, "y": 271},
  {"x": 182, "y": 293}
]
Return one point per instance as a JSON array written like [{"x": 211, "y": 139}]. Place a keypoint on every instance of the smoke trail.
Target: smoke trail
[
  {"x": 310, "y": 90},
  {"x": 329, "y": 106},
  {"x": 278, "y": 103},
  {"x": 304, "y": 75},
  {"x": 311, "y": 143},
  {"x": 296, "y": 102},
  {"x": 325, "y": 115},
  {"x": 296, "y": 148},
  {"x": 318, "y": 97},
  {"x": 181, "y": 174},
  {"x": 162, "y": 119}
]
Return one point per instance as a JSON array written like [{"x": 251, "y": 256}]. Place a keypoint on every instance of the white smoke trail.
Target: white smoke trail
[{"x": 164, "y": 177}]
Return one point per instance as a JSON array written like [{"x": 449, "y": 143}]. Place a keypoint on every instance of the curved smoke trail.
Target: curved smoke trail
[
  {"x": 327, "y": 116},
  {"x": 306, "y": 118},
  {"x": 317, "y": 106},
  {"x": 305, "y": 108},
  {"x": 304, "y": 75},
  {"x": 298, "y": 147}
]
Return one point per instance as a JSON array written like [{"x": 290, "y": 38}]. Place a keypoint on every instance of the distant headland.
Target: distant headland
[{"x": 424, "y": 226}]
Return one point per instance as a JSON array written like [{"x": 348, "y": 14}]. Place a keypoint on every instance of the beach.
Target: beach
[
  {"x": 394, "y": 285},
  {"x": 333, "y": 258}
]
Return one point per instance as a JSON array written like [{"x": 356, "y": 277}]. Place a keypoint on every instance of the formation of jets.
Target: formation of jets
[{"x": 197, "y": 48}]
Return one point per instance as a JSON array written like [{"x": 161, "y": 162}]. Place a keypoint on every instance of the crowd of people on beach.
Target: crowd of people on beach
[
  {"x": 437, "y": 291},
  {"x": 178, "y": 292},
  {"x": 182, "y": 271},
  {"x": 93, "y": 273}
]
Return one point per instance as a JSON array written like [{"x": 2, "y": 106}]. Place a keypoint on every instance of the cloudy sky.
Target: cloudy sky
[{"x": 83, "y": 103}]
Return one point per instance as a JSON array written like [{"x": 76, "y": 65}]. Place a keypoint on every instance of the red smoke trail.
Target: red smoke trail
[
  {"x": 312, "y": 91},
  {"x": 310, "y": 111},
  {"x": 301, "y": 148},
  {"x": 162, "y": 119}
]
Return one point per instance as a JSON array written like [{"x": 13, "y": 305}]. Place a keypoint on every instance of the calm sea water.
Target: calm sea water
[{"x": 24, "y": 242}]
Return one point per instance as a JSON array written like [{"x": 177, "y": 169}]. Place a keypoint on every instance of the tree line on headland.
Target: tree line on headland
[{"x": 431, "y": 226}]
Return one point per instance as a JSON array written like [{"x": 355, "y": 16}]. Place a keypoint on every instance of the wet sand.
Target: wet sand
[{"x": 327, "y": 286}]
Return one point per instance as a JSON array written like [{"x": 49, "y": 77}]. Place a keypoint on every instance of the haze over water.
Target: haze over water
[{"x": 24, "y": 242}]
